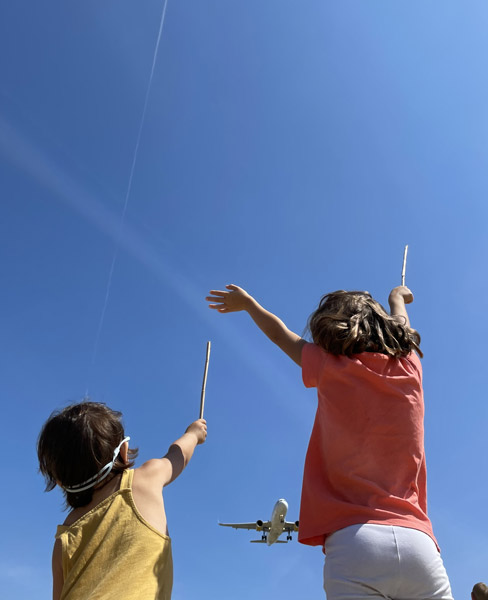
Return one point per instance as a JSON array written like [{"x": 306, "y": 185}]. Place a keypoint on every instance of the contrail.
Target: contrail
[
  {"x": 127, "y": 194},
  {"x": 281, "y": 386}
]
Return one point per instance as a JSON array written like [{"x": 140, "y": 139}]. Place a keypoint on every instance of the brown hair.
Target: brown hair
[
  {"x": 75, "y": 443},
  {"x": 353, "y": 322},
  {"x": 480, "y": 591}
]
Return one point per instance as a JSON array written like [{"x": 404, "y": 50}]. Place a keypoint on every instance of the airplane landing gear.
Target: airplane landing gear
[
  {"x": 264, "y": 537},
  {"x": 288, "y": 538}
]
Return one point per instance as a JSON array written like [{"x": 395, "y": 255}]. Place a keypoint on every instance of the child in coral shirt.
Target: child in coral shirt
[{"x": 364, "y": 494}]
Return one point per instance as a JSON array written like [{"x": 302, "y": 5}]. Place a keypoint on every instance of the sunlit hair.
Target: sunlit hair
[
  {"x": 75, "y": 443},
  {"x": 353, "y": 322}
]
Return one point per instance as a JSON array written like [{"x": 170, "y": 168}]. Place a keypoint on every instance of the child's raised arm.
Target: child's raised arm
[
  {"x": 399, "y": 296},
  {"x": 236, "y": 299},
  {"x": 167, "y": 469}
]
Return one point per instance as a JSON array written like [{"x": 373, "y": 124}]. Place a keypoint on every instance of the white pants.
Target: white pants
[{"x": 381, "y": 561}]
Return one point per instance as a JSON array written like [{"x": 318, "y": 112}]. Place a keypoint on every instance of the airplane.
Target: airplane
[{"x": 271, "y": 529}]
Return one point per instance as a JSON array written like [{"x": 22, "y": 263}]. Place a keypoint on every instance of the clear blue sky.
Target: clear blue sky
[{"x": 292, "y": 148}]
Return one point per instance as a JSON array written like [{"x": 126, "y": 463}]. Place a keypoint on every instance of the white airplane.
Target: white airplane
[{"x": 271, "y": 529}]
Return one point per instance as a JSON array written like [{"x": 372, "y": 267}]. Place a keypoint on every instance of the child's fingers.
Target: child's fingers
[
  {"x": 221, "y": 293},
  {"x": 217, "y": 306},
  {"x": 233, "y": 287},
  {"x": 214, "y": 298}
]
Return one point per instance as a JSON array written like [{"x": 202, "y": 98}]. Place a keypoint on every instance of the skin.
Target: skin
[
  {"x": 399, "y": 296},
  {"x": 234, "y": 299},
  {"x": 147, "y": 489}
]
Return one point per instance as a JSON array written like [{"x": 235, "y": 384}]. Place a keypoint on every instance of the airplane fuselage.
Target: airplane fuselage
[
  {"x": 277, "y": 519},
  {"x": 272, "y": 529}
]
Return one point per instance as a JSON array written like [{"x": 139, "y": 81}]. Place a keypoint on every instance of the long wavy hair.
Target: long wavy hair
[
  {"x": 353, "y": 322},
  {"x": 75, "y": 443}
]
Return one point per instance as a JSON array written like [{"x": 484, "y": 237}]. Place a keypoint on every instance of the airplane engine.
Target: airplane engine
[
  {"x": 259, "y": 525},
  {"x": 296, "y": 525}
]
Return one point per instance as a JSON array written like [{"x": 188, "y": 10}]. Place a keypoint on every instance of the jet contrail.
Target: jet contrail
[
  {"x": 127, "y": 195},
  {"x": 280, "y": 386}
]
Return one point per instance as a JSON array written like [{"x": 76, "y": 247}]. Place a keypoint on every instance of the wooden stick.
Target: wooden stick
[
  {"x": 404, "y": 268},
  {"x": 204, "y": 384}
]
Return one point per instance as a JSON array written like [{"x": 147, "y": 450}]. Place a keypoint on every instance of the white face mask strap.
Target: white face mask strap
[{"x": 100, "y": 476}]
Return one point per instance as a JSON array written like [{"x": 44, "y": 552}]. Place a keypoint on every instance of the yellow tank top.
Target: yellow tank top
[{"x": 111, "y": 552}]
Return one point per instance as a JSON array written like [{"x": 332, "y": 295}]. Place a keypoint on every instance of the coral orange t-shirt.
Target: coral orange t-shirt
[{"x": 365, "y": 461}]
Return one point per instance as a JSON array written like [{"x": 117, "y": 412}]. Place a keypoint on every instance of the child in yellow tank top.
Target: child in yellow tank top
[{"x": 114, "y": 543}]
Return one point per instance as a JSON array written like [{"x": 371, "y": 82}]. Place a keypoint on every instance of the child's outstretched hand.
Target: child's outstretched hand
[
  {"x": 401, "y": 292},
  {"x": 231, "y": 301},
  {"x": 199, "y": 429}
]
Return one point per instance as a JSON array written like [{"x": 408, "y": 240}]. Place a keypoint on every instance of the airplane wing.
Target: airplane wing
[
  {"x": 265, "y": 542},
  {"x": 264, "y": 527},
  {"x": 290, "y": 526}
]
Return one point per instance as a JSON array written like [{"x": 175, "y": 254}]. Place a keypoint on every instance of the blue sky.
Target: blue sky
[{"x": 290, "y": 148}]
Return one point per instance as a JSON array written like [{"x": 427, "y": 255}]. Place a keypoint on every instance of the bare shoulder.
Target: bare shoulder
[{"x": 156, "y": 472}]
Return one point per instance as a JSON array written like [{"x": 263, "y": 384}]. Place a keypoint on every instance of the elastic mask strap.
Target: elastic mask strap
[{"x": 100, "y": 476}]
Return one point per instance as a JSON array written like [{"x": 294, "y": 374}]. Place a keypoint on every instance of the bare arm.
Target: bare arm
[
  {"x": 165, "y": 470},
  {"x": 399, "y": 296},
  {"x": 237, "y": 299}
]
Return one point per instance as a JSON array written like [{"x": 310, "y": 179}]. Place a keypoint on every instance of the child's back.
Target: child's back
[
  {"x": 368, "y": 440},
  {"x": 364, "y": 484},
  {"x": 114, "y": 543},
  {"x": 113, "y": 550}
]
